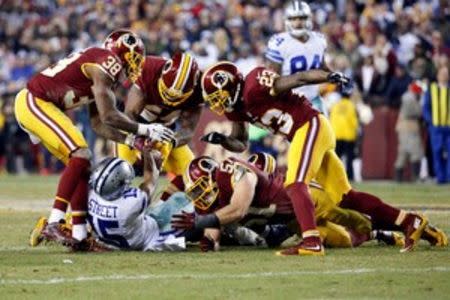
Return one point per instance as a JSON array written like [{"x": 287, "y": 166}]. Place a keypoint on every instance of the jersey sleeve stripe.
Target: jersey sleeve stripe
[
  {"x": 274, "y": 58},
  {"x": 101, "y": 68},
  {"x": 274, "y": 52}
]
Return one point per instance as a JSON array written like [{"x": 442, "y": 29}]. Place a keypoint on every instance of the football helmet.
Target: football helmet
[
  {"x": 263, "y": 161},
  {"x": 178, "y": 79},
  {"x": 199, "y": 182},
  {"x": 111, "y": 177},
  {"x": 297, "y": 9},
  {"x": 221, "y": 86},
  {"x": 129, "y": 48}
]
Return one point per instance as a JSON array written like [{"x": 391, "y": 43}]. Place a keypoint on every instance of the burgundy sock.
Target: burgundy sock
[
  {"x": 174, "y": 186},
  {"x": 69, "y": 181},
  {"x": 303, "y": 208},
  {"x": 383, "y": 216},
  {"x": 79, "y": 201}
]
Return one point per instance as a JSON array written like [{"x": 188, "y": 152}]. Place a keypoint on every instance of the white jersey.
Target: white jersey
[
  {"x": 124, "y": 224},
  {"x": 295, "y": 56}
]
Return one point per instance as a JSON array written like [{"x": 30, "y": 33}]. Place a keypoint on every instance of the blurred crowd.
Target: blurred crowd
[{"x": 383, "y": 45}]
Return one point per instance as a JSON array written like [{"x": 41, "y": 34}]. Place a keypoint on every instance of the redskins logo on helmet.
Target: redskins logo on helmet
[
  {"x": 221, "y": 86},
  {"x": 201, "y": 187},
  {"x": 129, "y": 48},
  {"x": 178, "y": 79},
  {"x": 263, "y": 161}
]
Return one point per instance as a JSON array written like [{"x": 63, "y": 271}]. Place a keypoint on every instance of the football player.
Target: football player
[
  {"x": 266, "y": 100},
  {"x": 167, "y": 92},
  {"x": 249, "y": 193},
  {"x": 216, "y": 192},
  {"x": 83, "y": 78},
  {"x": 117, "y": 212},
  {"x": 298, "y": 49}
]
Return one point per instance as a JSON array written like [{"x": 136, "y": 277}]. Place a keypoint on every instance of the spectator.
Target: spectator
[
  {"x": 371, "y": 82},
  {"x": 397, "y": 86},
  {"x": 344, "y": 121},
  {"x": 435, "y": 112},
  {"x": 410, "y": 145}
]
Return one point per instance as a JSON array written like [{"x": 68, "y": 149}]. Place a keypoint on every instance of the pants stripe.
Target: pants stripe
[
  {"x": 308, "y": 149},
  {"x": 51, "y": 124}
]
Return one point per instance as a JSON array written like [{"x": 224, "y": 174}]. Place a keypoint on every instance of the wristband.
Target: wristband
[
  {"x": 129, "y": 140},
  {"x": 142, "y": 129},
  {"x": 207, "y": 221}
]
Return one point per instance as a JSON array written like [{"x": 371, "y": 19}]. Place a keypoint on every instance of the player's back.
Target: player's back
[
  {"x": 122, "y": 222},
  {"x": 283, "y": 113},
  {"x": 296, "y": 56},
  {"x": 66, "y": 83}
]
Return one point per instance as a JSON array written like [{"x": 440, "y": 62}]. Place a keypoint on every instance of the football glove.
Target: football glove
[
  {"x": 185, "y": 221},
  {"x": 213, "y": 138},
  {"x": 157, "y": 132}
]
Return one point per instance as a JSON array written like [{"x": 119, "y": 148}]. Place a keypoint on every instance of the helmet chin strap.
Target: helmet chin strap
[{"x": 235, "y": 98}]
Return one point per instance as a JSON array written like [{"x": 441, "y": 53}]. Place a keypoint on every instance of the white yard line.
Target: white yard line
[{"x": 209, "y": 276}]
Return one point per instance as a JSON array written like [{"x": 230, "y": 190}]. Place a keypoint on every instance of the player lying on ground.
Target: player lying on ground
[
  {"x": 167, "y": 92},
  {"x": 117, "y": 211},
  {"x": 265, "y": 99},
  {"x": 87, "y": 77},
  {"x": 236, "y": 191}
]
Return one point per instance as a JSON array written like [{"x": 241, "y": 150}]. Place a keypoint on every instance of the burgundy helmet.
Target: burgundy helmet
[
  {"x": 221, "y": 86},
  {"x": 129, "y": 48},
  {"x": 178, "y": 79},
  {"x": 199, "y": 182},
  {"x": 263, "y": 161}
]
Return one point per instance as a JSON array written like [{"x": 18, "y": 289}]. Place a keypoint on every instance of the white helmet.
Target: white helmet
[{"x": 295, "y": 9}]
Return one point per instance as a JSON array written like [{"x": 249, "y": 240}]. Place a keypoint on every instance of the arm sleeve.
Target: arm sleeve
[{"x": 273, "y": 50}]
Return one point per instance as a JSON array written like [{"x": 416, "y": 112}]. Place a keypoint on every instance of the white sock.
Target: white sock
[
  {"x": 56, "y": 215},
  {"x": 79, "y": 231}
]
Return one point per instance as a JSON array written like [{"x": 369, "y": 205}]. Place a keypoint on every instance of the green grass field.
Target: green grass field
[{"x": 370, "y": 271}]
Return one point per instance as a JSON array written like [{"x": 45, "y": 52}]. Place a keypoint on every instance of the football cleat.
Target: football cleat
[
  {"x": 306, "y": 247},
  {"x": 413, "y": 225},
  {"x": 435, "y": 236},
  {"x": 36, "y": 236},
  {"x": 58, "y": 233},
  {"x": 390, "y": 238}
]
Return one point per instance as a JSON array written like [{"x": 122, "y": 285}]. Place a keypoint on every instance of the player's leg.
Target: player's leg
[
  {"x": 305, "y": 156},
  {"x": 57, "y": 132},
  {"x": 383, "y": 216},
  {"x": 176, "y": 163},
  {"x": 334, "y": 236},
  {"x": 326, "y": 210}
]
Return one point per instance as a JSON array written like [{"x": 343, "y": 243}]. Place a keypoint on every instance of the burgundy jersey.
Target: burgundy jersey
[
  {"x": 282, "y": 114},
  {"x": 155, "y": 110},
  {"x": 67, "y": 85},
  {"x": 270, "y": 196}
]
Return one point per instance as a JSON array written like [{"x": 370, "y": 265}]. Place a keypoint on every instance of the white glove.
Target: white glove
[{"x": 157, "y": 132}]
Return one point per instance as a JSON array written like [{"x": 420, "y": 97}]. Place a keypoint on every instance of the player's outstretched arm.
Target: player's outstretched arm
[
  {"x": 105, "y": 101},
  {"x": 135, "y": 103},
  {"x": 244, "y": 191},
  {"x": 237, "y": 141},
  {"x": 102, "y": 129},
  {"x": 188, "y": 123},
  {"x": 285, "y": 83},
  {"x": 152, "y": 164}
]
